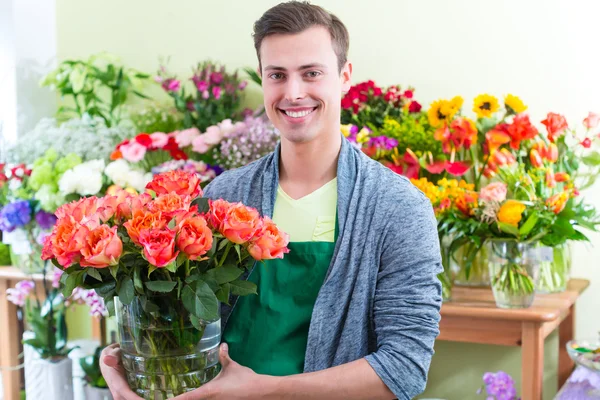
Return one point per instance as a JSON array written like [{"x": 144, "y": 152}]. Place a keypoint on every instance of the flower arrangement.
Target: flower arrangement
[
  {"x": 167, "y": 253},
  {"x": 248, "y": 141},
  {"x": 204, "y": 172},
  {"x": 367, "y": 104},
  {"x": 152, "y": 116},
  {"x": 83, "y": 81},
  {"x": 89, "y": 138},
  {"x": 216, "y": 94}
]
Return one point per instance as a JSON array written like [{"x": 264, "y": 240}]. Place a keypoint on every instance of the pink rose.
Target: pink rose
[
  {"x": 133, "y": 152},
  {"x": 205, "y": 95},
  {"x": 185, "y": 137},
  {"x": 159, "y": 140},
  {"x": 241, "y": 223},
  {"x": 103, "y": 248},
  {"x": 592, "y": 120},
  {"x": 495, "y": 191},
  {"x": 213, "y": 135},
  {"x": 269, "y": 243},
  {"x": 199, "y": 145},
  {"x": 159, "y": 246}
]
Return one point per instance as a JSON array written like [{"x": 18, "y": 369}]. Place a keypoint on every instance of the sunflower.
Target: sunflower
[
  {"x": 435, "y": 115},
  {"x": 485, "y": 105},
  {"x": 513, "y": 104},
  {"x": 456, "y": 103}
]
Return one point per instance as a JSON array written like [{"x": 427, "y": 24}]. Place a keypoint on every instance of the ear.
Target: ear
[{"x": 346, "y": 76}]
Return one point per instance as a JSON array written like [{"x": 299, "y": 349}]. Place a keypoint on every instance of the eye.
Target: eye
[
  {"x": 313, "y": 74},
  {"x": 276, "y": 76}
]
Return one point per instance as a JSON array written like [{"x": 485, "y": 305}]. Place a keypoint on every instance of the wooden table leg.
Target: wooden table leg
[
  {"x": 9, "y": 349},
  {"x": 566, "y": 331},
  {"x": 532, "y": 361}
]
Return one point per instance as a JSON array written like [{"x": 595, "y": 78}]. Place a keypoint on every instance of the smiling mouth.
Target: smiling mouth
[{"x": 298, "y": 114}]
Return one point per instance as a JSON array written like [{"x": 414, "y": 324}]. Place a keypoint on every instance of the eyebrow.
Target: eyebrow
[{"x": 302, "y": 67}]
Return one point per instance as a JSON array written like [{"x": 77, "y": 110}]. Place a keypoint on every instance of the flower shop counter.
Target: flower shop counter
[
  {"x": 472, "y": 316},
  {"x": 10, "y": 337}
]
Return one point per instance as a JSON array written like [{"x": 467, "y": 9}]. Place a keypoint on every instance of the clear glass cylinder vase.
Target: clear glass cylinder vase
[
  {"x": 468, "y": 265},
  {"x": 445, "y": 276},
  {"x": 514, "y": 272},
  {"x": 555, "y": 269},
  {"x": 163, "y": 354}
]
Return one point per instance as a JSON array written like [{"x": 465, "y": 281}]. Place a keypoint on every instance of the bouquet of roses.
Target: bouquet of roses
[{"x": 165, "y": 259}]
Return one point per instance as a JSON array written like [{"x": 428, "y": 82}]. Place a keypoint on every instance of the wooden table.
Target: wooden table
[
  {"x": 472, "y": 316},
  {"x": 10, "y": 338}
]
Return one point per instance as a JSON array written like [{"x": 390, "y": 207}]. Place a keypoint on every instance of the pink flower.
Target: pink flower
[
  {"x": 213, "y": 135},
  {"x": 159, "y": 139},
  {"x": 243, "y": 85},
  {"x": 19, "y": 293},
  {"x": 205, "y": 95},
  {"x": 216, "y": 78},
  {"x": 171, "y": 85},
  {"x": 216, "y": 91},
  {"x": 185, "y": 137},
  {"x": 199, "y": 145},
  {"x": 56, "y": 277},
  {"x": 226, "y": 126},
  {"x": 592, "y": 120},
  {"x": 587, "y": 143},
  {"x": 495, "y": 191},
  {"x": 201, "y": 85},
  {"x": 133, "y": 152}
]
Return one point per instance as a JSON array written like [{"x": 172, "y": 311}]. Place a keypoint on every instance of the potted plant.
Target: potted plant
[{"x": 95, "y": 386}]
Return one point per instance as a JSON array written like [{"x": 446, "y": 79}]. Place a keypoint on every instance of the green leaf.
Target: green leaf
[
  {"x": 171, "y": 224},
  {"x": 202, "y": 203},
  {"x": 181, "y": 258},
  {"x": 161, "y": 286},
  {"x": 200, "y": 301},
  {"x": 171, "y": 267},
  {"x": 237, "y": 250},
  {"x": 126, "y": 291},
  {"x": 529, "y": 224},
  {"x": 114, "y": 269},
  {"x": 73, "y": 280},
  {"x": 137, "y": 279},
  {"x": 507, "y": 228},
  {"x": 93, "y": 272},
  {"x": 227, "y": 273},
  {"x": 105, "y": 289},
  {"x": 592, "y": 160},
  {"x": 151, "y": 269},
  {"x": 242, "y": 288},
  {"x": 222, "y": 245},
  {"x": 223, "y": 293}
]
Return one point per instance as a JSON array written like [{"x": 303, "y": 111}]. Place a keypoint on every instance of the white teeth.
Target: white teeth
[{"x": 298, "y": 114}]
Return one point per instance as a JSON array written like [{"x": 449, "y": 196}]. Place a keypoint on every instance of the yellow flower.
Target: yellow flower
[
  {"x": 346, "y": 129},
  {"x": 456, "y": 104},
  {"x": 511, "y": 212},
  {"x": 514, "y": 104},
  {"x": 485, "y": 105},
  {"x": 435, "y": 115},
  {"x": 363, "y": 136}
]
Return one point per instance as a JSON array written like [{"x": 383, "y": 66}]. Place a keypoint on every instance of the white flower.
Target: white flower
[
  {"x": 121, "y": 174},
  {"x": 84, "y": 179}
]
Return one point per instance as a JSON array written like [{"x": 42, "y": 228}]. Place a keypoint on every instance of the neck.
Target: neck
[{"x": 305, "y": 167}]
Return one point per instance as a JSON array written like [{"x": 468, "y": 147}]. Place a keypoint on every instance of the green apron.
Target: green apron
[{"x": 268, "y": 332}]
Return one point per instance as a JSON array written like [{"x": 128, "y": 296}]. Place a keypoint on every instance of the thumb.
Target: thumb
[{"x": 224, "y": 358}]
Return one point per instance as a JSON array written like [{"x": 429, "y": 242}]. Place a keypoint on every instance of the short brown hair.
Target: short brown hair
[{"x": 297, "y": 16}]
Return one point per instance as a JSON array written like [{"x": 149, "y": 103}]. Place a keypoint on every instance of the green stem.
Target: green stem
[{"x": 227, "y": 248}]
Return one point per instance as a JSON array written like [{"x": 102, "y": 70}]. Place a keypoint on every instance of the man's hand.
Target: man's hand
[
  {"x": 234, "y": 382},
  {"x": 114, "y": 374}
]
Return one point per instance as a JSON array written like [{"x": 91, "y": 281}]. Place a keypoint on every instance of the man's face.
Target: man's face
[{"x": 302, "y": 84}]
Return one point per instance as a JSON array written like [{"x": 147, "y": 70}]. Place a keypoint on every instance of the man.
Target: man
[{"x": 352, "y": 311}]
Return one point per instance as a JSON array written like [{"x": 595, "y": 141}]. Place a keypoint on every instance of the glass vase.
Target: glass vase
[
  {"x": 555, "y": 269},
  {"x": 477, "y": 273},
  {"x": 514, "y": 272},
  {"x": 445, "y": 277},
  {"x": 29, "y": 261},
  {"x": 163, "y": 354}
]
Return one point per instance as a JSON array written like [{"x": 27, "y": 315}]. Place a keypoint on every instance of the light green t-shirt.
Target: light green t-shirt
[{"x": 310, "y": 218}]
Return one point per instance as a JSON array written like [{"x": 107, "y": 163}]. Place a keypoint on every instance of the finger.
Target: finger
[{"x": 224, "y": 358}]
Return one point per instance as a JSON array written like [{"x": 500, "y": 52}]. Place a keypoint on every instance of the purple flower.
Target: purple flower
[
  {"x": 89, "y": 298},
  {"x": 56, "y": 277},
  {"x": 499, "y": 386},
  {"x": 45, "y": 219},
  {"x": 15, "y": 215},
  {"x": 19, "y": 293},
  {"x": 216, "y": 78},
  {"x": 383, "y": 142}
]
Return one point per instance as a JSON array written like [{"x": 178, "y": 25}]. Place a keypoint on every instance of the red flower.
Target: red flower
[
  {"x": 555, "y": 125},
  {"x": 587, "y": 143},
  {"x": 414, "y": 107},
  {"x": 408, "y": 94},
  {"x": 144, "y": 139},
  {"x": 521, "y": 129}
]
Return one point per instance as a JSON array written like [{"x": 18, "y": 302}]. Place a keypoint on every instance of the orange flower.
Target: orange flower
[
  {"x": 159, "y": 246},
  {"x": 181, "y": 182},
  {"x": 556, "y": 125},
  {"x": 499, "y": 159},
  {"x": 521, "y": 129},
  {"x": 269, "y": 243},
  {"x": 142, "y": 220},
  {"x": 217, "y": 213},
  {"x": 562, "y": 177},
  {"x": 103, "y": 248},
  {"x": 496, "y": 137},
  {"x": 557, "y": 202},
  {"x": 82, "y": 211},
  {"x": 466, "y": 202},
  {"x": 550, "y": 181},
  {"x": 130, "y": 204},
  {"x": 194, "y": 238},
  {"x": 535, "y": 158},
  {"x": 461, "y": 134},
  {"x": 169, "y": 204},
  {"x": 241, "y": 223},
  {"x": 67, "y": 239},
  {"x": 511, "y": 212}
]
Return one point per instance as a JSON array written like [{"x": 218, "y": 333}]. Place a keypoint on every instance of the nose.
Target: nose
[{"x": 294, "y": 90}]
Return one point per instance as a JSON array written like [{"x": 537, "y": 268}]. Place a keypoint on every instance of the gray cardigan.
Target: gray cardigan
[{"x": 381, "y": 296}]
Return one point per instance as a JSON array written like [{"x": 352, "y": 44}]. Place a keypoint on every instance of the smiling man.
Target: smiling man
[{"x": 352, "y": 311}]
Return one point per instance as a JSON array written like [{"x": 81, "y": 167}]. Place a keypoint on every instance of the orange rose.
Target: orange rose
[
  {"x": 143, "y": 220},
  {"x": 65, "y": 242},
  {"x": 103, "y": 248},
  {"x": 132, "y": 203},
  {"x": 241, "y": 223},
  {"x": 159, "y": 246},
  {"x": 169, "y": 204},
  {"x": 217, "y": 213},
  {"x": 195, "y": 238},
  {"x": 180, "y": 182},
  {"x": 81, "y": 210},
  {"x": 270, "y": 242}
]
